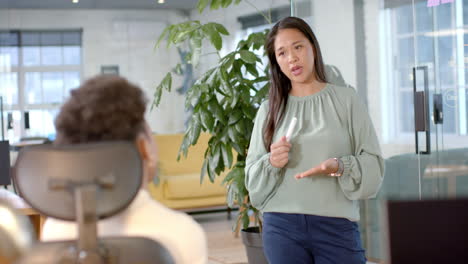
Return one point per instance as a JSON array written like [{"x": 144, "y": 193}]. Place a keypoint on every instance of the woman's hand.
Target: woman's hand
[
  {"x": 326, "y": 167},
  {"x": 279, "y": 153}
]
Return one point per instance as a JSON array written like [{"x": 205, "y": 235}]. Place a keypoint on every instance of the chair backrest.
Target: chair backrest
[
  {"x": 84, "y": 183},
  {"x": 46, "y": 176},
  {"x": 334, "y": 76},
  {"x": 112, "y": 250}
]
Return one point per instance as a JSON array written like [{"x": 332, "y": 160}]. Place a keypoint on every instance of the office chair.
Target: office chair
[
  {"x": 427, "y": 231},
  {"x": 16, "y": 234},
  {"x": 84, "y": 183}
]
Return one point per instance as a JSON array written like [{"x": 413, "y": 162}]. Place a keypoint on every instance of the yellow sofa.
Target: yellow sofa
[{"x": 179, "y": 182}]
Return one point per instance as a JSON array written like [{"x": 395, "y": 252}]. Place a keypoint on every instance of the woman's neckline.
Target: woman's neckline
[{"x": 306, "y": 97}]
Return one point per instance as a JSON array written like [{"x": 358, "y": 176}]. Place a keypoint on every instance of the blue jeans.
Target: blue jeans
[{"x": 299, "y": 238}]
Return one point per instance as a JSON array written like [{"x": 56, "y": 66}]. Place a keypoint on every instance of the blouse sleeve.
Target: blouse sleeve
[
  {"x": 261, "y": 178},
  {"x": 364, "y": 170}
]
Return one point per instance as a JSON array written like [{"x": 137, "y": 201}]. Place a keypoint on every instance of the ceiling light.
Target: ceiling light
[
  {"x": 160, "y": 1},
  {"x": 75, "y": 1}
]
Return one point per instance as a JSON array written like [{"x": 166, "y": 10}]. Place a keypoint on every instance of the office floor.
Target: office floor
[{"x": 223, "y": 247}]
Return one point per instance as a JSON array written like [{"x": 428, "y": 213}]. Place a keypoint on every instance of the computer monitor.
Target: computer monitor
[
  {"x": 5, "y": 163},
  {"x": 428, "y": 231}
]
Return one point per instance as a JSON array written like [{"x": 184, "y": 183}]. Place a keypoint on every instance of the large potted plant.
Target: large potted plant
[{"x": 224, "y": 101}]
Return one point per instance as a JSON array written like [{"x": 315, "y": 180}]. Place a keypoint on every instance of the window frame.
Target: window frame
[{"x": 22, "y": 104}]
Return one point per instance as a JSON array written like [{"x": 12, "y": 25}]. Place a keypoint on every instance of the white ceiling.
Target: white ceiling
[{"x": 99, "y": 4}]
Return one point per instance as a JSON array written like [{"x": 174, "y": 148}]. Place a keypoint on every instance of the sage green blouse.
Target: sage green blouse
[{"x": 332, "y": 123}]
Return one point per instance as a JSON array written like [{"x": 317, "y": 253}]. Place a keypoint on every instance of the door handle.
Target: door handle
[
  {"x": 26, "y": 120},
  {"x": 421, "y": 111},
  {"x": 438, "y": 109}
]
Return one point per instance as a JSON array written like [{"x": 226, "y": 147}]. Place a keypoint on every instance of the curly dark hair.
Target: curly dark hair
[{"x": 104, "y": 108}]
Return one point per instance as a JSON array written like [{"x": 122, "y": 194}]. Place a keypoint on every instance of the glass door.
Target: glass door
[
  {"x": 441, "y": 49},
  {"x": 406, "y": 60}
]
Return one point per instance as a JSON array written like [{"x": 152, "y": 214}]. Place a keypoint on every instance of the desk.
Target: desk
[
  {"x": 17, "y": 146},
  {"x": 451, "y": 172},
  {"x": 37, "y": 219}
]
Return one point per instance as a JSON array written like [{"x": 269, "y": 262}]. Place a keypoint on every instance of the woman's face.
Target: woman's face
[{"x": 295, "y": 56}]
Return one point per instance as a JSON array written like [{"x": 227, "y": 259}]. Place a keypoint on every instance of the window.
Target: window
[
  {"x": 435, "y": 41},
  {"x": 37, "y": 71}
]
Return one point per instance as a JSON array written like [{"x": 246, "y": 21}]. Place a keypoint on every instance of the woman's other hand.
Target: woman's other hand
[
  {"x": 327, "y": 167},
  {"x": 279, "y": 153}
]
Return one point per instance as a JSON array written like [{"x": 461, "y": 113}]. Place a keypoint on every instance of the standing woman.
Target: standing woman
[{"x": 308, "y": 186}]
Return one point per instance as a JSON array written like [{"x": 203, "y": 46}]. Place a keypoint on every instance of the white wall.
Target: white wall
[
  {"x": 117, "y": 37},
  {"x": 228, "y": 18},
  {"x": 331, "y": 20},
  {"x": 333, "y": 24}
]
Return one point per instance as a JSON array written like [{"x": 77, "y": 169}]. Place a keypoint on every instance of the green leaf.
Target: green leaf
[
  {"x": 226, "y": 3},
  {"x": 195, "y": 59},
  {"x": 195, "y": 43},
  {"x": 195, "y": 131},
  {"x": 213, "y": 35},
  {"x": 233, "y": 174},
  {"x": 229, "y": 61},
  {"x": 184, "y": 147},
  {"x": 252, "y": 69},
  {"x": 248, "y": 56},
  {"x": 221, "y": 29},
  {"x": 261, "y": 94},
  {"x": 215, "y": 158},
  {"x": 163, "y": 34},
  {"x": 172, "y": 35},
  {"x": 224, "y": 76},
  {"x": 231, "y": 195},
  {"x": 177, "y": 69},
  {"x": 202, "y": 5},
  {"x": 241, "y": 45},
  {"x": 245, "y": 219},
  {"x": 235, "y": 99},
  {"x": 196, "y": 40},
  {"x": 216, "y": 109},
  {"x": 207, "y": 119},
  {"x": 166, "y": 83},
  {"x": 240, "y": 162},
  {"x": 238, "y": 148},
  {"x": 157, "y": 96},
  {"x": 181, "y": 36},
  {"x": 237, "y": 2},
  {"x": 234, "y": 117},
  {"x": 232, "y": 132},
  {"x": 227, "y": 154},
  {"x": 240, "y": 127},
  {"x": 258, "y": 40},
  {"x": 192, "y": 96},
  {"x": 261, "y": 79},
  {"x": 211, "y": 174},
  {"x": 249, "y": 111},
  {"x": 203, "y": 171},
  {"x": 215, "y": 4}
]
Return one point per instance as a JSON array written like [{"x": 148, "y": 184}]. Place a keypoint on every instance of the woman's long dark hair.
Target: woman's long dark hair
[{"x": 280, "y": 85}]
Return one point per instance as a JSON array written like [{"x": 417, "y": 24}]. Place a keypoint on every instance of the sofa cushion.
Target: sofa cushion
[{"x": 186, "y": 186}]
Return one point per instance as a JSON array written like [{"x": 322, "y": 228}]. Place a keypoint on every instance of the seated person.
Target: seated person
[
  {"x": 12, "y": 199},
  {"x": 108, "y": 108}
]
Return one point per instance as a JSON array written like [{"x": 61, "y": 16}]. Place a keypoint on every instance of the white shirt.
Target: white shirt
[{"x": 145, "y": 217}]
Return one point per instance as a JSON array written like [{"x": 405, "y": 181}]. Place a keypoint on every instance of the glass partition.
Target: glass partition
[{"x": 396, "y": 53}]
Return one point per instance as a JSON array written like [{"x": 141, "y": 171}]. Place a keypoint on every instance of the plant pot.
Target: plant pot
[{"x": 252, "y": 239}]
